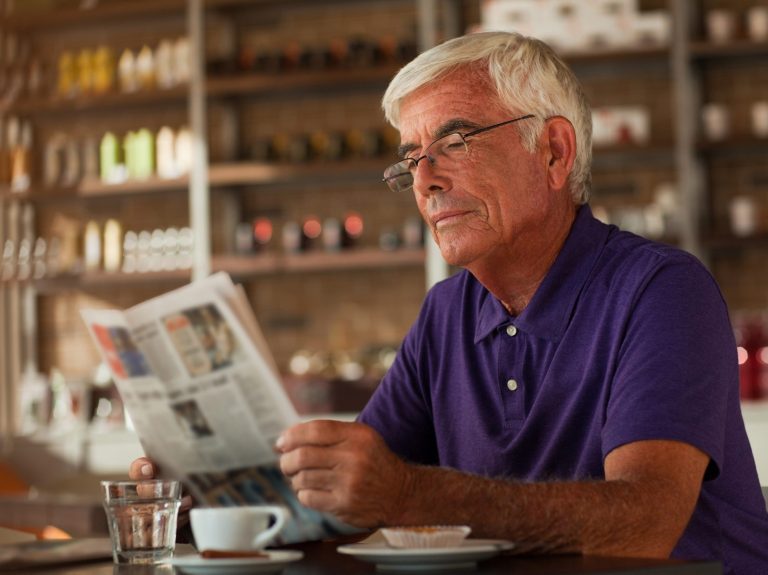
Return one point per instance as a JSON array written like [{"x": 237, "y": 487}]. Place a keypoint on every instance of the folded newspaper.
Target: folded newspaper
[{"x": 200, "y": 385}]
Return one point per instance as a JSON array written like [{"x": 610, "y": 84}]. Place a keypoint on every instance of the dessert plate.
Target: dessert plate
[
  {"x": 460, "y": 557},
  {"x": 196, "y": 565}
]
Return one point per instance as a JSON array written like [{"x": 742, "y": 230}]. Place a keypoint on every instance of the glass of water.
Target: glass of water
[{"x": 142, "y": 519}]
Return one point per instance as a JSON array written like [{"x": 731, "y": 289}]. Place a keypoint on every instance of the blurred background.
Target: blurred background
[{"x": 146, "y": 143}]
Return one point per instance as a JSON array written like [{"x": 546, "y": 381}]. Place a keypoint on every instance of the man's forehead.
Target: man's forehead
[{"x": 458, "y": 95}]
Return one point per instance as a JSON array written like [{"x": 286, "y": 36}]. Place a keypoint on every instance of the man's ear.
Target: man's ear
[{"x": 560, "y": 141}]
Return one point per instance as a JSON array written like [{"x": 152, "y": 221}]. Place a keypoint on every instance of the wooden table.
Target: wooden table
[{"x": 323, "y": 559}]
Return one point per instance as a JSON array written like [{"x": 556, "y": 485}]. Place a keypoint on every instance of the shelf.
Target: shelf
[
  {"x": 730, "y": 242},
  {"x": 354, "y": 259},
  {"x": 219, "y": 175},
  {"x": 616, "y": 55},
  {"x": 733, "y": 49},
  {"x": 100, "y": 279},
  {"x": 103, "y": 102},
  {"x": 241, "y": 267},
  {"x": 114, "y": 11},
  {"x": 259, "y": 84},
  {"x": 93, "y": 188},
  {"x": 621, "y": 155},
  {"x": 744, "y": 145},
  {"x": 246, "y": 85},
  {"x": 262, "y": 174}
]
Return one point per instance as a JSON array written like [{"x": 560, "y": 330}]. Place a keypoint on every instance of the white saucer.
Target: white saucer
[
  {"x": 197, "y": 565},
  {"x": 460, "y": 557}
]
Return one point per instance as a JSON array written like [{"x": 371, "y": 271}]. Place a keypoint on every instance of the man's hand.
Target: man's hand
[{"x": 345, "y": 469}]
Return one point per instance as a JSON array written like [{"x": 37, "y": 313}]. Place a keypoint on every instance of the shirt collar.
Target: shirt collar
[{"x": 546, "y": 315}]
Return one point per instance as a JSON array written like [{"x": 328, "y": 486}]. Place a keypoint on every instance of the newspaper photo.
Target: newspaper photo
[{"x": 202, "y": 390}]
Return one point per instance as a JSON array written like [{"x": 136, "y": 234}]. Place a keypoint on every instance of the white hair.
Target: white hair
[{"x": 529, "y": 79}]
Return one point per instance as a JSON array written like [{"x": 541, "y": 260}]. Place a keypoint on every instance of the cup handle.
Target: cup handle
[{"x": 280, "y": 515}]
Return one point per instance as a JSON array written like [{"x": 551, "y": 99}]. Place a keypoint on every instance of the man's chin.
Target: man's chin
[{"x": 455, "y": 257}]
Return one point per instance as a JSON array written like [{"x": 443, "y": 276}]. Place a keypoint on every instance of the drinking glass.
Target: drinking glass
[{"x": 142, "y": 519}]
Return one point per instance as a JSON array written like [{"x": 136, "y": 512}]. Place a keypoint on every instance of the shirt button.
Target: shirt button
[
  {"x": 511, "y": 331},
  {"x": 512, "y": 385}
]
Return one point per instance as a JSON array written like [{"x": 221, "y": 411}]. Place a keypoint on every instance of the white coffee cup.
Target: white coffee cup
[{"x": 236, "y": 528}]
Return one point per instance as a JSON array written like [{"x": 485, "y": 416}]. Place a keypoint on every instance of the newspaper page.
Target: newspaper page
[{"x": 198, "y": 381}]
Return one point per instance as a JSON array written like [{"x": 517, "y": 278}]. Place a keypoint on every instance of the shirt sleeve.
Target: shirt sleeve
[
  {"x": 400, "y": 408},
  {"x": 677, "y": 366}
]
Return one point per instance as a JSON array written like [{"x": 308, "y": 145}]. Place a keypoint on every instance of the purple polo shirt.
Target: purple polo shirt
[{"x": 625, "y": 340}]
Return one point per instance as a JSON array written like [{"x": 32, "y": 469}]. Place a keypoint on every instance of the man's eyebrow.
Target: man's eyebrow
[{"x": 451, "y": 126}]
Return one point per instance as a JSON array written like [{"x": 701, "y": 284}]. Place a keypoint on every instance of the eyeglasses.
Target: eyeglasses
[{"x": 451, "y": 148}]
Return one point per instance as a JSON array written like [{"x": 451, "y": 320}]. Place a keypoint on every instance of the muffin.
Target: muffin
[{"x": 426, "y": 537}]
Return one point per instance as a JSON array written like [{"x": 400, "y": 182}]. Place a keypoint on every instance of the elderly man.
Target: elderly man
[{"x": 575, "y": 388}]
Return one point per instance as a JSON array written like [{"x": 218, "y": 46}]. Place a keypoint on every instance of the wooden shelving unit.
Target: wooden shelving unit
[
  {"x": 614, "y": 55},
  {"x": 258, "y": 84},
  {"x": 243, "y": 267},
  {"x": 115, "y": 11},
  {"x": 240, "y": 267},
  {"x": 112, "y": 101},
  {"x": 733, "y": 49}
]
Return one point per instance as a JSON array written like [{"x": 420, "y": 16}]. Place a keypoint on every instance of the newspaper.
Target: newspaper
[{"x": 201, "y": 388}]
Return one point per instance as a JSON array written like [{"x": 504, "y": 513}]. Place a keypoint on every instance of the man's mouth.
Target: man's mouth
[{"x": 447, "y": 217}]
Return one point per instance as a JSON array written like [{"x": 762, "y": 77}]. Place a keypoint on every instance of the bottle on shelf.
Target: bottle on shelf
[
  {"x": 139, "y": 151},
  {"x": 292, "y": 237},
  {"x": 352, "y": 230},
  {"x": 145, "y": 69},
  {"x": 130, "y": 252},
  {"x": 92, "y": 252},
  {"x": 164, "y": 65},
  {"x": 39, "y": 259},
  {"x": 171, "y": 249},
  {"x": 262, "y": 233},
  {"x": 24, "y": 260},
  {"x": 244, "y": 238},
  {"x": 5, "y": 156},
  {"x": 111, "y": 169},
  {"x": 53, "y": 159},
  {"x": 8, "y": 271},
  {"x": 332, "y": 236},
  {"x": 182, "y": 60},
  {"x": 311, "y": 230},
  {"x": 113, "y": 248},
  {"x": 183, "y": 150},
  {"x": 72, "y": 170},
  {"x": 85, "y": 72},
  {"x": 325, "y": 145},
  {"x": 126, "y": 72},
  {"x": 413, "y": 233},
  {"x": 20, "y": 144},
  {"x": 103, "y": 70},
  {"x": 166, "y": 157}
]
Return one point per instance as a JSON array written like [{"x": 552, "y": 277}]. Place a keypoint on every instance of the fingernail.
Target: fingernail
[
  {"x": 280, "y": 442},
  {"x": 146, "y": 470}
]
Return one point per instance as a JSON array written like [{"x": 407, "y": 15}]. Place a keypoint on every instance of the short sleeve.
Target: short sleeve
[
  {"x": 677, "y": 364},
  {"x": 400, "y": 407}
]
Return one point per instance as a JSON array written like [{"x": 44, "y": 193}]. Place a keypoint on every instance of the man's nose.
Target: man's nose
[{"x": 427, "y": 178}]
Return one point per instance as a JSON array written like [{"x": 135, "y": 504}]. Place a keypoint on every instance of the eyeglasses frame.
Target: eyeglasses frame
[{"x": 463, "y": 139}]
